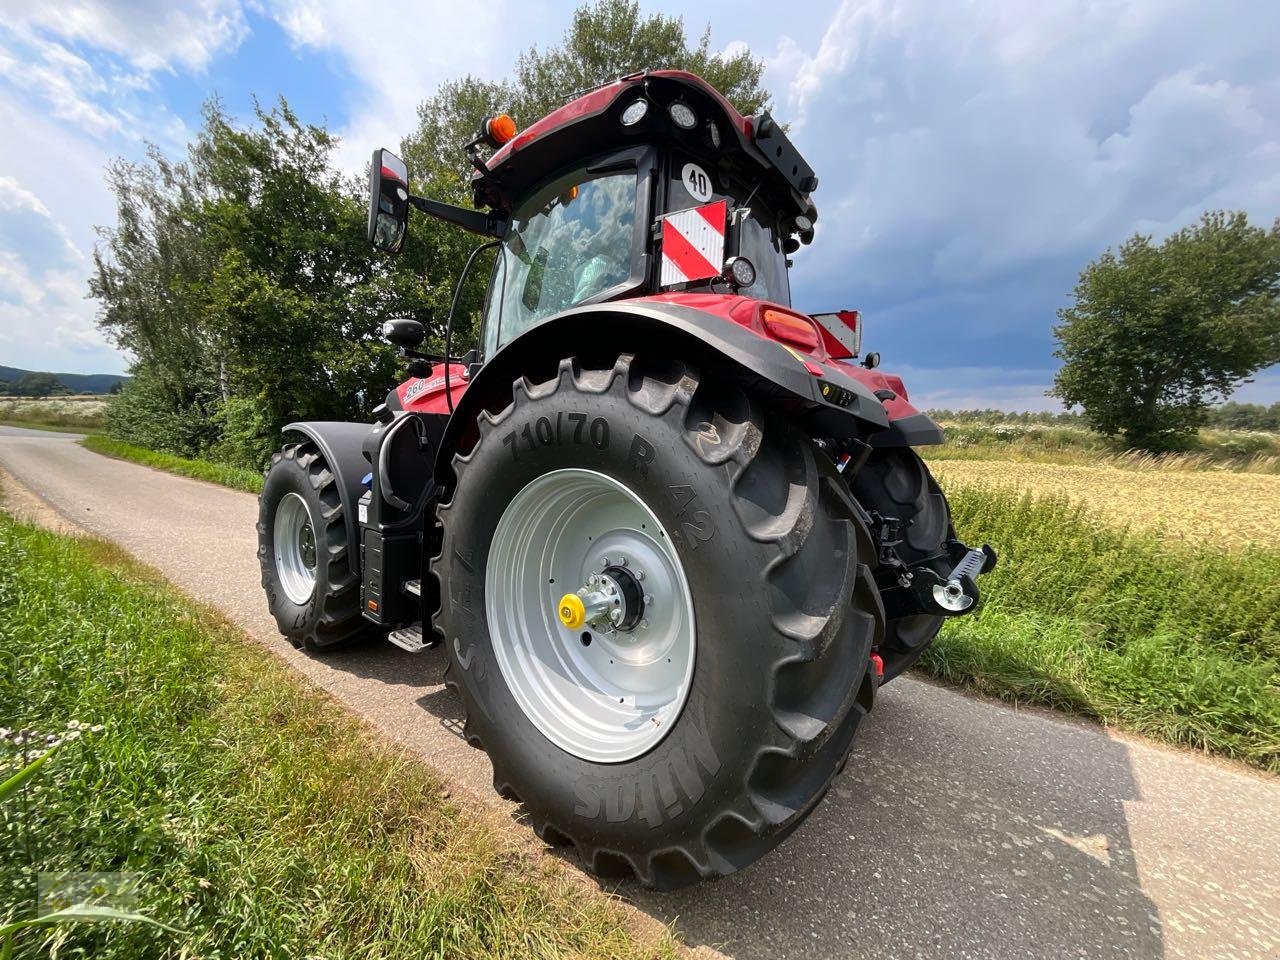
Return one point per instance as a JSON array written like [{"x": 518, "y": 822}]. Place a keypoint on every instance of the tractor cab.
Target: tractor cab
[{"x": 651, "y": 184}]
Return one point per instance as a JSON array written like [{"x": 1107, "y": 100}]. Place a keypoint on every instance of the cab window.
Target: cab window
[{"x": 570, "y": 243}]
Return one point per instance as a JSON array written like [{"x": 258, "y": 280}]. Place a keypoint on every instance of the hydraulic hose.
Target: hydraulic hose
[{"x": 453, "y": 309}]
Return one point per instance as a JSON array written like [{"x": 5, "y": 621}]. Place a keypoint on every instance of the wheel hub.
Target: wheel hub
[
  {"x": 611, "y": 600},
  {"x": 603, "y": 669},
  {"x": 295, "y": 548}
]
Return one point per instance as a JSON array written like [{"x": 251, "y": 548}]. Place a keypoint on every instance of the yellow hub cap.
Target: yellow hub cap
[{"x": 572, "y": 613}]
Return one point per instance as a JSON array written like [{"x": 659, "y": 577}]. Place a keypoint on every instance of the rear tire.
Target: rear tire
[
  {"x": 895, "y": 482},
  {"x": 784, "y": 607},
  {"x": 316, "y": 604}
]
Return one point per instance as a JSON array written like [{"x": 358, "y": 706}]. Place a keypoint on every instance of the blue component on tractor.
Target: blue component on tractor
[{"x": 367, "y": 481}]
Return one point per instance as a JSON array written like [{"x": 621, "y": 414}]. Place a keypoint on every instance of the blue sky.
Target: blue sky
[{"x": 973, "y": 156}]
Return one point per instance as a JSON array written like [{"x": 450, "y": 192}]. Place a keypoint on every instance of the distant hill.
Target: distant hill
[{"x": 76, "y": 382}]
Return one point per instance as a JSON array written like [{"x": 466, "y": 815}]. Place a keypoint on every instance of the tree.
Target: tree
[
  {"x": 39, "y": 385},
  {"x": 242, "y": 282},
  {"x": 610, "y": 39},
  {"x": 1159, "y": 332}
]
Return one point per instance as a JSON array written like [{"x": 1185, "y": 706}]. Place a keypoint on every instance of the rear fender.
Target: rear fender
[
  {"x": 831, "y": 405},
  {"x": 908, "y": 426},
  {"x": 340, "y": 443}
]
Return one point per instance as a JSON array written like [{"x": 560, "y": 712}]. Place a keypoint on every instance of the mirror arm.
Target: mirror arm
[{"x": 485, "y": 224}]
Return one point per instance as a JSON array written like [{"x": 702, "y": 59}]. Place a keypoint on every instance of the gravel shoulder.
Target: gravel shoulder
[{"x": 959, "y": 828}]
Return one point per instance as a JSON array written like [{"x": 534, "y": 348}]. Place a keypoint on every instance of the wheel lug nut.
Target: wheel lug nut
[
  {"x": 638, "y": 574},
  {"x": 644, "y": 624},
  {"x": 648, "y": 598},
  {"x": 622, "y": 562}
]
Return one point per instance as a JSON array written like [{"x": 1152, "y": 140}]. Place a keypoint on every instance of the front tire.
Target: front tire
[
  {"x": 785, "y": 613},
  {"x": 303, "y": 550}
]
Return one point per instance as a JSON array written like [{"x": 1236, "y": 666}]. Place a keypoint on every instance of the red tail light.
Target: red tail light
[{"x": 791, "y": 328}]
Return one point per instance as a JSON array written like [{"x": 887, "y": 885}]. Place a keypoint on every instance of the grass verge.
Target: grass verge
[
  {"x": 238, "y": 478},
  {"x": 256, "y": 815},
  {"x": 1175, "y": 642}
]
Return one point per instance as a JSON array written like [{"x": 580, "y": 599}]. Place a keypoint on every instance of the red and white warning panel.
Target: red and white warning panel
[{"x": 693, "y": 243}]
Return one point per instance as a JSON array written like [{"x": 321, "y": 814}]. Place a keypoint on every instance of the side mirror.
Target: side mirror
[
  {"x": 404, "y": 332},
  {"x": 388, "y": 201},
  {"x": 872, "y": 360}
]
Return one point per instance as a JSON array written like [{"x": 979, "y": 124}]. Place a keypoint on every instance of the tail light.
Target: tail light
[{"x": 791, "y": 328}]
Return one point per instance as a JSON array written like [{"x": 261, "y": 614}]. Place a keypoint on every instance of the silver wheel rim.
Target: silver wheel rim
[
  {"x": 616, "y": 696},
  {"x": 295, "y": 545}
]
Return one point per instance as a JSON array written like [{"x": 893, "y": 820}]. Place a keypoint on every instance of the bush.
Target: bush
[
  {"x": 248, "y": 435},
  {"x": 149, "y": 413}
]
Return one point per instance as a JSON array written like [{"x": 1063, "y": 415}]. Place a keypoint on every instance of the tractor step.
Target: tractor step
[
  {"x": 413, "y": 587},
  {"x": 410, "y": 638}
]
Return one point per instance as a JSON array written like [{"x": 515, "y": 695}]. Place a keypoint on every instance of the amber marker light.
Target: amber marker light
[{"x": 500, "y": 129}]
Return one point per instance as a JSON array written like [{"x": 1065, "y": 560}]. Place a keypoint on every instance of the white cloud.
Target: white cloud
[
  {"x": 150, "y": 34},
  {"x": 50, "y": 198},
  {"x": 46, "y": 322},
  {"x": 960, "y": 141},
  {"x": 400, "y": 59}
]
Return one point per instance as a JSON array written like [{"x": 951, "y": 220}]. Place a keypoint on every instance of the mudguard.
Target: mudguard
[
  {"x": 908, "y": 425},
  {"x": 833, "y": 404},
  {"x": 915, "y": 430},
  {"x": 340, "y": 443}
]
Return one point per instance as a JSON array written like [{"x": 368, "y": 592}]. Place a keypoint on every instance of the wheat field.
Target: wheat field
[{"x": 1197, "y": 506}]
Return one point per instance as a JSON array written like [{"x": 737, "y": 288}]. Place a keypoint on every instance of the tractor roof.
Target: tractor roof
[{"x": 754, "y": 148}]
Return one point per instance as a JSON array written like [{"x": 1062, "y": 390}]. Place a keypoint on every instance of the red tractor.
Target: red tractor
[{"x": 671, "y": 531}]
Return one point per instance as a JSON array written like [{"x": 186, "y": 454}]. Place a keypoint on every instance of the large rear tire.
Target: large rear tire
[
  {"x": 784, "y": 614},
  {"x": 303, "y": 549},
  {"x": 895, "y": 482}
]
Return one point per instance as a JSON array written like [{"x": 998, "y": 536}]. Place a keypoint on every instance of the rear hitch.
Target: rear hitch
[{"x": 920, "y": 590}]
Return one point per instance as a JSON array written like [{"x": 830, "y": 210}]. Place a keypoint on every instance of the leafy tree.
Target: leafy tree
[
  {"x": 1245, "y": 416},
  {"x": 149, "y": 270},
  {"x": 1158, "y": 332},
  {"x": 612, "y": 38},
  {"x": 242, "y": 282},
  {"x": 39, "y": 385}
]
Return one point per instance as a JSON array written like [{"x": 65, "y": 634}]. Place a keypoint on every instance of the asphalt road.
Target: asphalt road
[{"x": 960, "y": 828}]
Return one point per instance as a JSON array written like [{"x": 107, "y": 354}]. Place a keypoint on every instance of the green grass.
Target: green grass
[
  {"x": 238, "y": 478},
  {"x": 1173, "y": 642},
  {"x": 261, "y": 819}
]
